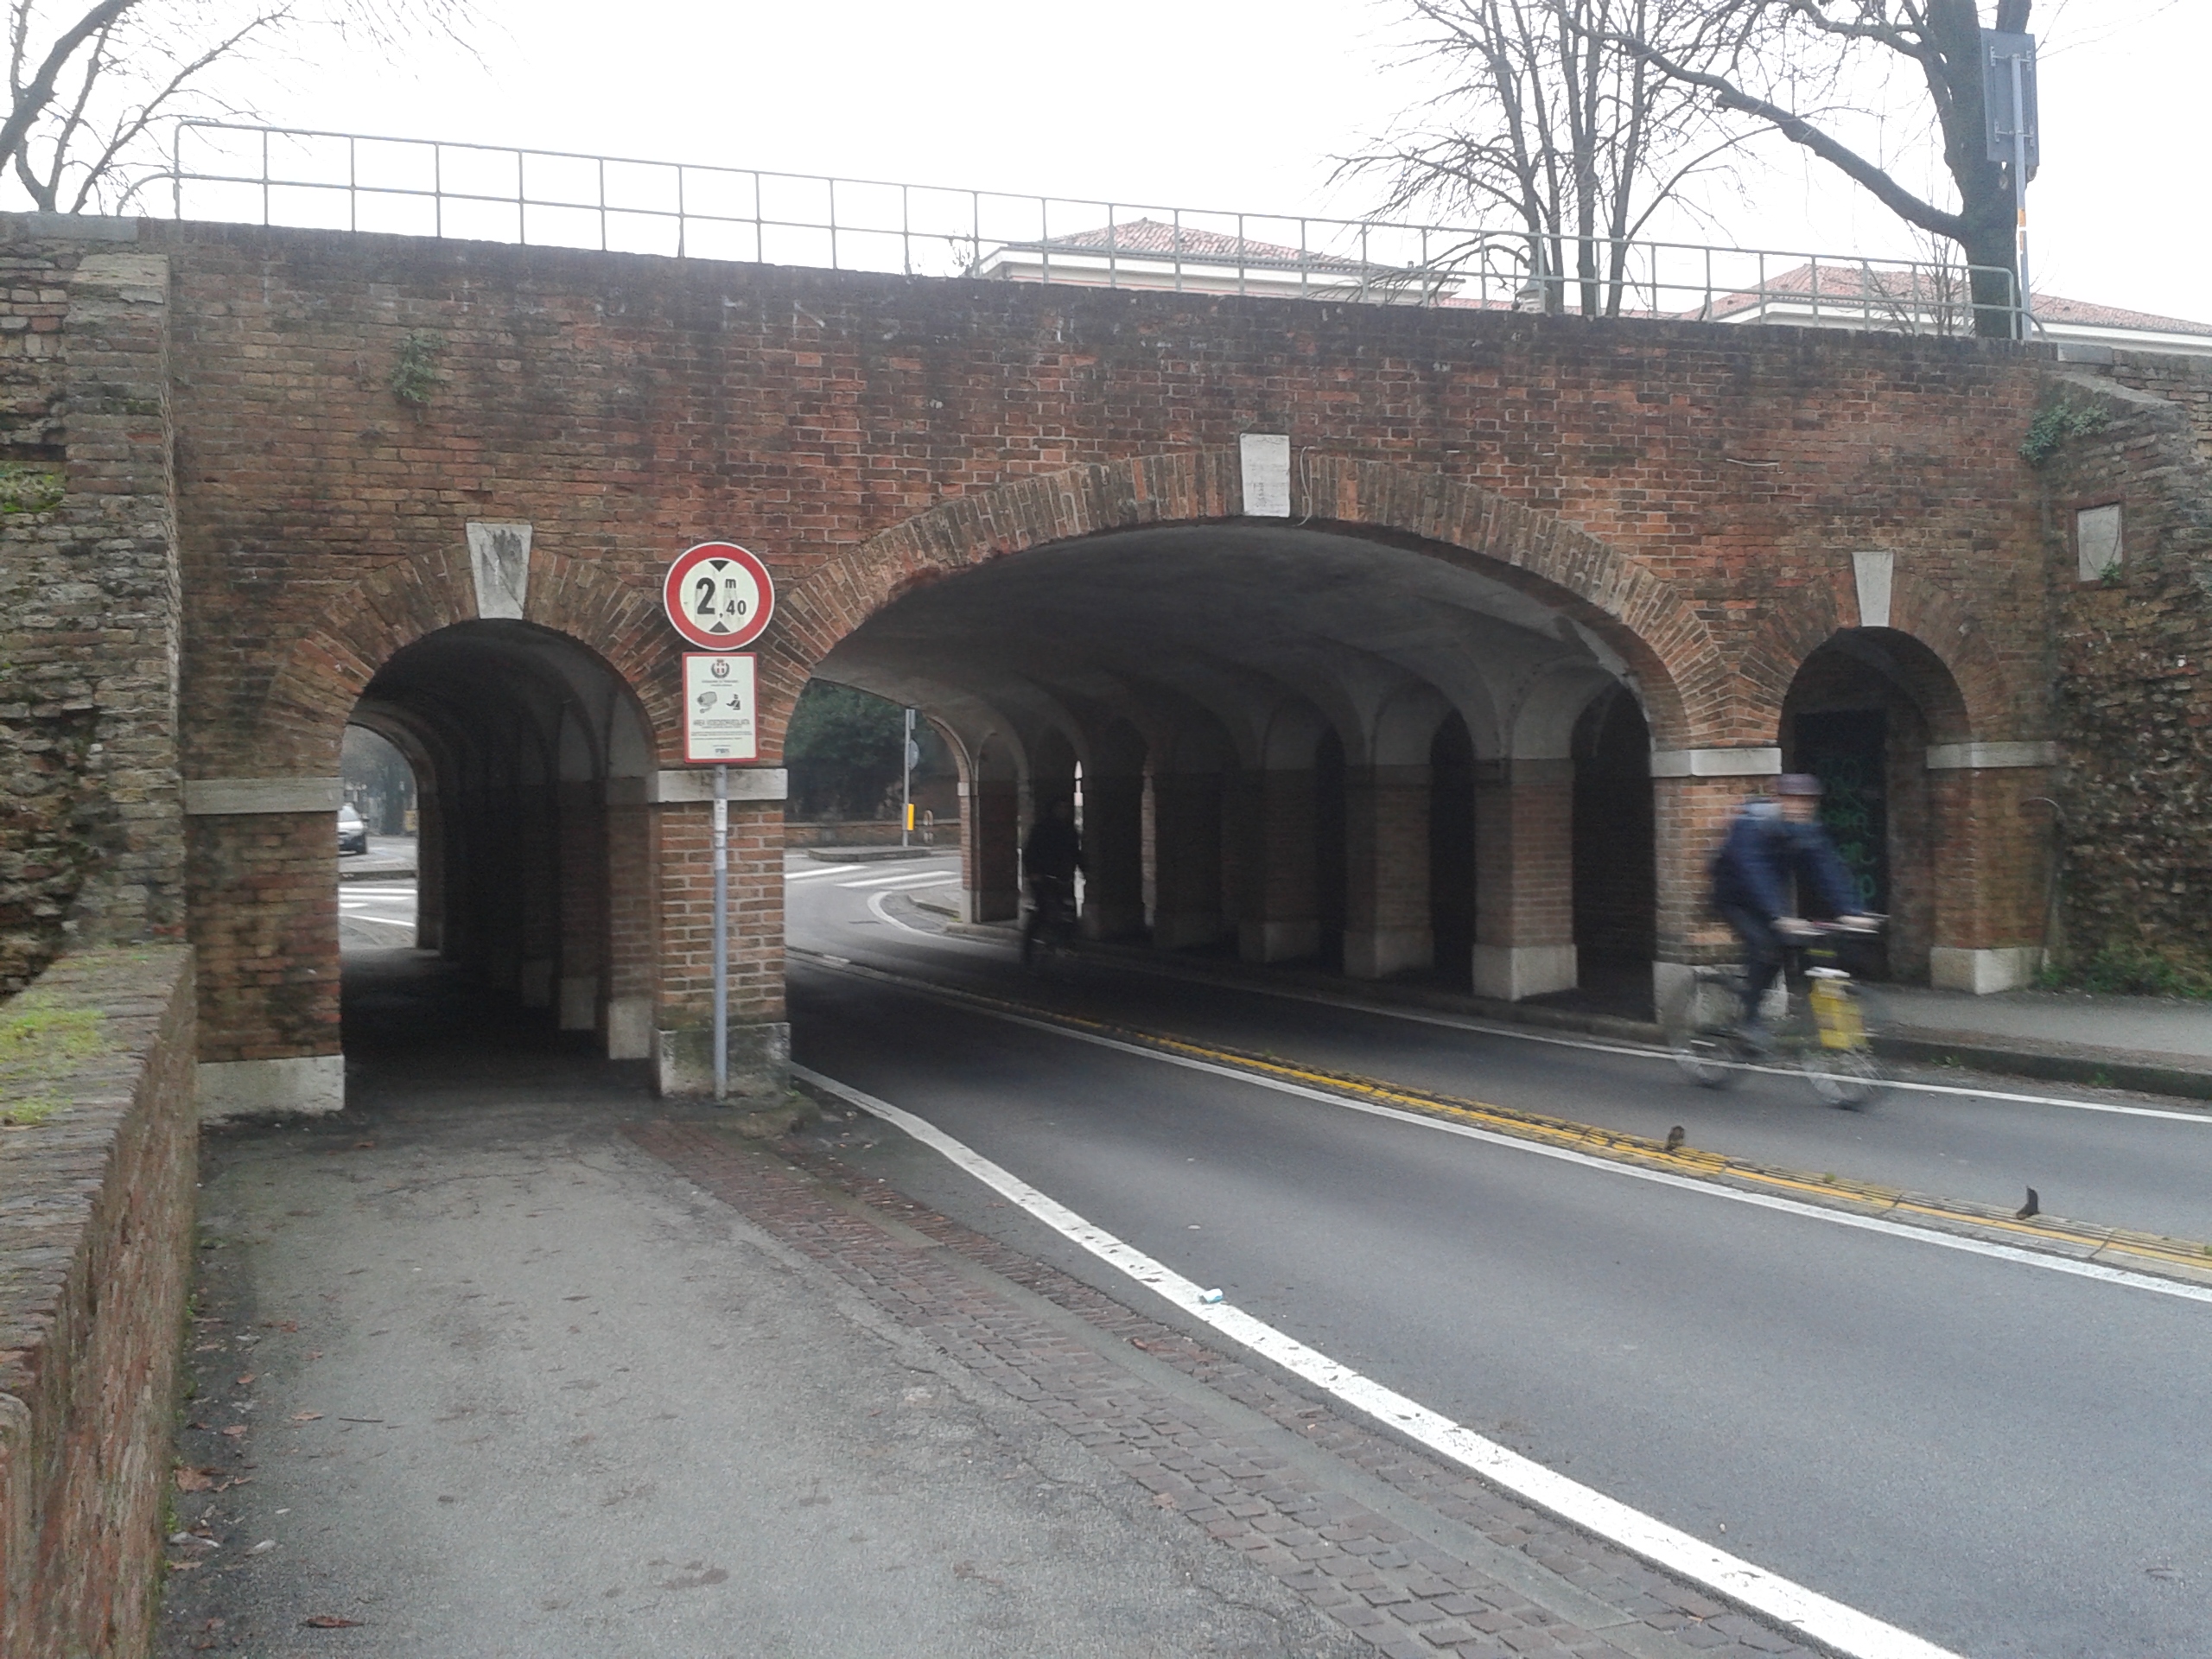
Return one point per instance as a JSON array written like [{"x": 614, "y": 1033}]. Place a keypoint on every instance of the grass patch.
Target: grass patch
[{"x": 40, "y": 1043}]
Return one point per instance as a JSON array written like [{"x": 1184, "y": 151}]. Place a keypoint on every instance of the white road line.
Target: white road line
[
  {"x": 926, "y": 878},
  {"x": 1566, "y": 1155},
  {"x": 1521, "y": 1034},
  {"x": 878, "y": 909},
  {"x": 1828, "y": 1623},
  {"x": 816, "y": 874}
]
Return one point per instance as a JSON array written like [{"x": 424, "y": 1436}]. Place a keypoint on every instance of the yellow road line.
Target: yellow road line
[{"x": 2192, "y": 1257}]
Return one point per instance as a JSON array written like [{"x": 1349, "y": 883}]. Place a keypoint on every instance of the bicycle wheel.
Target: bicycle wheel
[
  {"x": 1697, "y": 1027},
  {"x": 1846, "y": 1076}
]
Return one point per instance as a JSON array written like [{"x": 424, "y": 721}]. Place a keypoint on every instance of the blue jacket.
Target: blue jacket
[{"x": 1763, "y": 849}]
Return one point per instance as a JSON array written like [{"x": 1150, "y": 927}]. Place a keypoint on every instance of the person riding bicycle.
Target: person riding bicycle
[
  {"x": 1773, "y": 839},
  {"x": 1050, "y": 859}
]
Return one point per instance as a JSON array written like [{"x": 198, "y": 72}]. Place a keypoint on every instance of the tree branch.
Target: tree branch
[
  {"x": 1794, "y": 127},
  {"x": 32, "y": 100}
]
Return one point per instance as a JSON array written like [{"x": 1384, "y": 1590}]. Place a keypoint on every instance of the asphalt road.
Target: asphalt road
[
  {"x": 376, "y": 915},
  {"x": 1997, "y": 1456}
]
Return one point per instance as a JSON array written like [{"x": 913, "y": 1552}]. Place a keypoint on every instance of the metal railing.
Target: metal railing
[{"x": 232, "y": 172}]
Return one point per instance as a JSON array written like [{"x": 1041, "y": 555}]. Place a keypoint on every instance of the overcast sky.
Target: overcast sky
[{"x": 1239, "y": 104}]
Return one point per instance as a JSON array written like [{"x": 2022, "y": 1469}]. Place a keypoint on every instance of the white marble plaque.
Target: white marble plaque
[
  {"x": 2097, "y": 542},
  {"x": 1265, "y": 460}
]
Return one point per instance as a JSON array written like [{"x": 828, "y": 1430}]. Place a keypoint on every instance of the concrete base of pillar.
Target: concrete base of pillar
[
  {"x": 1670, "y": 983},
  {"x": 313, "y": 1084},
  {"x": 1511, "y": 972},
  {"x": 535, "y": 982},
  {"x": 1983, "y": 972},
  {"x": 988, "y": 906},
  {"x": 630, "y": 1029},
  {"x": 1278, "y": 941},
  {"x": 760, "y": 1061},
  {"x": 1377, "y": 953},
  {"x": 1176, "y": 932},
  {"x": 579, "y": 1002}
]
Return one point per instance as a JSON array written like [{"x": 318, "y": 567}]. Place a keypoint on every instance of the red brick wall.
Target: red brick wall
[
  {"x": 264, "y": 927},
  {"x": 95, "y": 1257}
]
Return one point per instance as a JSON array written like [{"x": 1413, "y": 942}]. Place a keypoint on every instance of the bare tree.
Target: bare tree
[
  {"x": 88, "y": 79},
  {"x": 1546, "y": 116},
  {"x": 1764, "y": 59}
]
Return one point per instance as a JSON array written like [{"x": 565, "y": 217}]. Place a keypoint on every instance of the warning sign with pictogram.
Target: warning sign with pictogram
[
  {"x": 718, "y": 709},
  {"x": 719, "y": 596}
]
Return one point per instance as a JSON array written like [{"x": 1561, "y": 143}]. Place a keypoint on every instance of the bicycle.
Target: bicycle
[
  {"x": 1050, "y": 922},
  {"x": 1826, "y": 1030}
]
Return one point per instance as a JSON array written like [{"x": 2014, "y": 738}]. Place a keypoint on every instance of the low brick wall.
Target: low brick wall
[{"x": 96, "y": 1212}]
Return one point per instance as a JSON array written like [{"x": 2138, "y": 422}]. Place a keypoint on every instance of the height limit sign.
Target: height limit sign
[{"x": 718, "y": 709}]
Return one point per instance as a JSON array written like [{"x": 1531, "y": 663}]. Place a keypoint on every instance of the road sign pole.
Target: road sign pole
[
  {"x": 907, "y": 782},
  {"x": 2020, "y": 191},
  {"x": 721, "y": 933}
]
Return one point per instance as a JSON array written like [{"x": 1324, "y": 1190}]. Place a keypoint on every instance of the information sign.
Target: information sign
[
  {"x": 718, "y": 709},
  {"x": 719, "y": 596}
]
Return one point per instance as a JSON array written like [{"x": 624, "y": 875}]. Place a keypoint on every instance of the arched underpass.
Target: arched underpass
[
  {"x": 1293, "y": 744},
  {"x": 522, "y": 741}
]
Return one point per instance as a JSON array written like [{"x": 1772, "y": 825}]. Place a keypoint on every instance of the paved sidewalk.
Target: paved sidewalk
[{"x": 510, "y": 1359}]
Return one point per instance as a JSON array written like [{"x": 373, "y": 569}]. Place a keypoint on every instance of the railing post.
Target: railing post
[
  {"x": 834, "y": 265},
  {"x": 682, "y": 222},
  {"x": 906, "y": 231},
  {"x": 265, "y": 176},
  {"x": 1113, "y": 250}
]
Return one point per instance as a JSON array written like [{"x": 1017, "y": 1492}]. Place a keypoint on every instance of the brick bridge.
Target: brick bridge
[{"x": 1463, "y": 677}]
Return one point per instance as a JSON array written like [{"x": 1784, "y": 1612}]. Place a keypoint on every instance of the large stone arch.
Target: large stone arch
[{"x": 1683, "y": 677}]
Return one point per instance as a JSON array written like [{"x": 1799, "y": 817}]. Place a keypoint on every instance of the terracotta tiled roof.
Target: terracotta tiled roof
[
  {"x": 1858, "y": 286},
  {"x": 1158, "y": 239}
]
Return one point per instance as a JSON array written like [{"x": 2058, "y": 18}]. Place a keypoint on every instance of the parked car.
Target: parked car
[{"x": 353, "y": 832}]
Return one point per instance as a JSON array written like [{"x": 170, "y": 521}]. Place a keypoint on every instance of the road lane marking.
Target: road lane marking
[
  {"x": 925, "y": 878},
  {"x": 816, "y": 874},
  {"x": 1632, "y": 1051},
  {"x": 1842, "y": 1629},
  {"x": 878, "y": 907},
  {"x": 1520, "y": 1132}
]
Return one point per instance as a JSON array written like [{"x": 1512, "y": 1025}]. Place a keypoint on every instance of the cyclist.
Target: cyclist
[
  {"x": 1050, "y": 859},
  {"x": 1774, "y": 839}
]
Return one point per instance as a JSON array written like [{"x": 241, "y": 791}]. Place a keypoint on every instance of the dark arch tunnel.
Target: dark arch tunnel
[
  {"x": 1296, "y": 744},
  {"x": 520, "y": 739}
]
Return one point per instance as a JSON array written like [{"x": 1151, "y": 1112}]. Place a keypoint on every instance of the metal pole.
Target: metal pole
[
  {"x": 721, "y": 933},
  {"x": 2026, "y": 323},
  {"x": 907, "y": 782}
]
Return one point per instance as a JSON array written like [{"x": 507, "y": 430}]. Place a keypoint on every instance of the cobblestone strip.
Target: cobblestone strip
[{"x": 1400, "y": 1592}]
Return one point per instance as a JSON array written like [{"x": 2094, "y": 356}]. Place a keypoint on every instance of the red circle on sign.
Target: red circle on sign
[{"x": 718, "y": 596}]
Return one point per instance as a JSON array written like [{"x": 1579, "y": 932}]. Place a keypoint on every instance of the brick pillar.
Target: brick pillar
[
  {"x": 1186, "y": 837},
  {"x": 1690, "y": 816},
  {"x": 1113, "y": 851},
  {"x": 537, "y": 876},
  {"x": 1992, "y": 859},
  {"x": 584, "y": 897},
  {"x": 990, "y": 848},
  {"x": 759, "y": 1041},
  {"x": 1386, "y": 871},
  {"x": 1280, "y": 920},
  {"x": 429, "y": 869},
  {"x": 1524, "y": 878},
  {"x": 626, "y": 1015}
]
